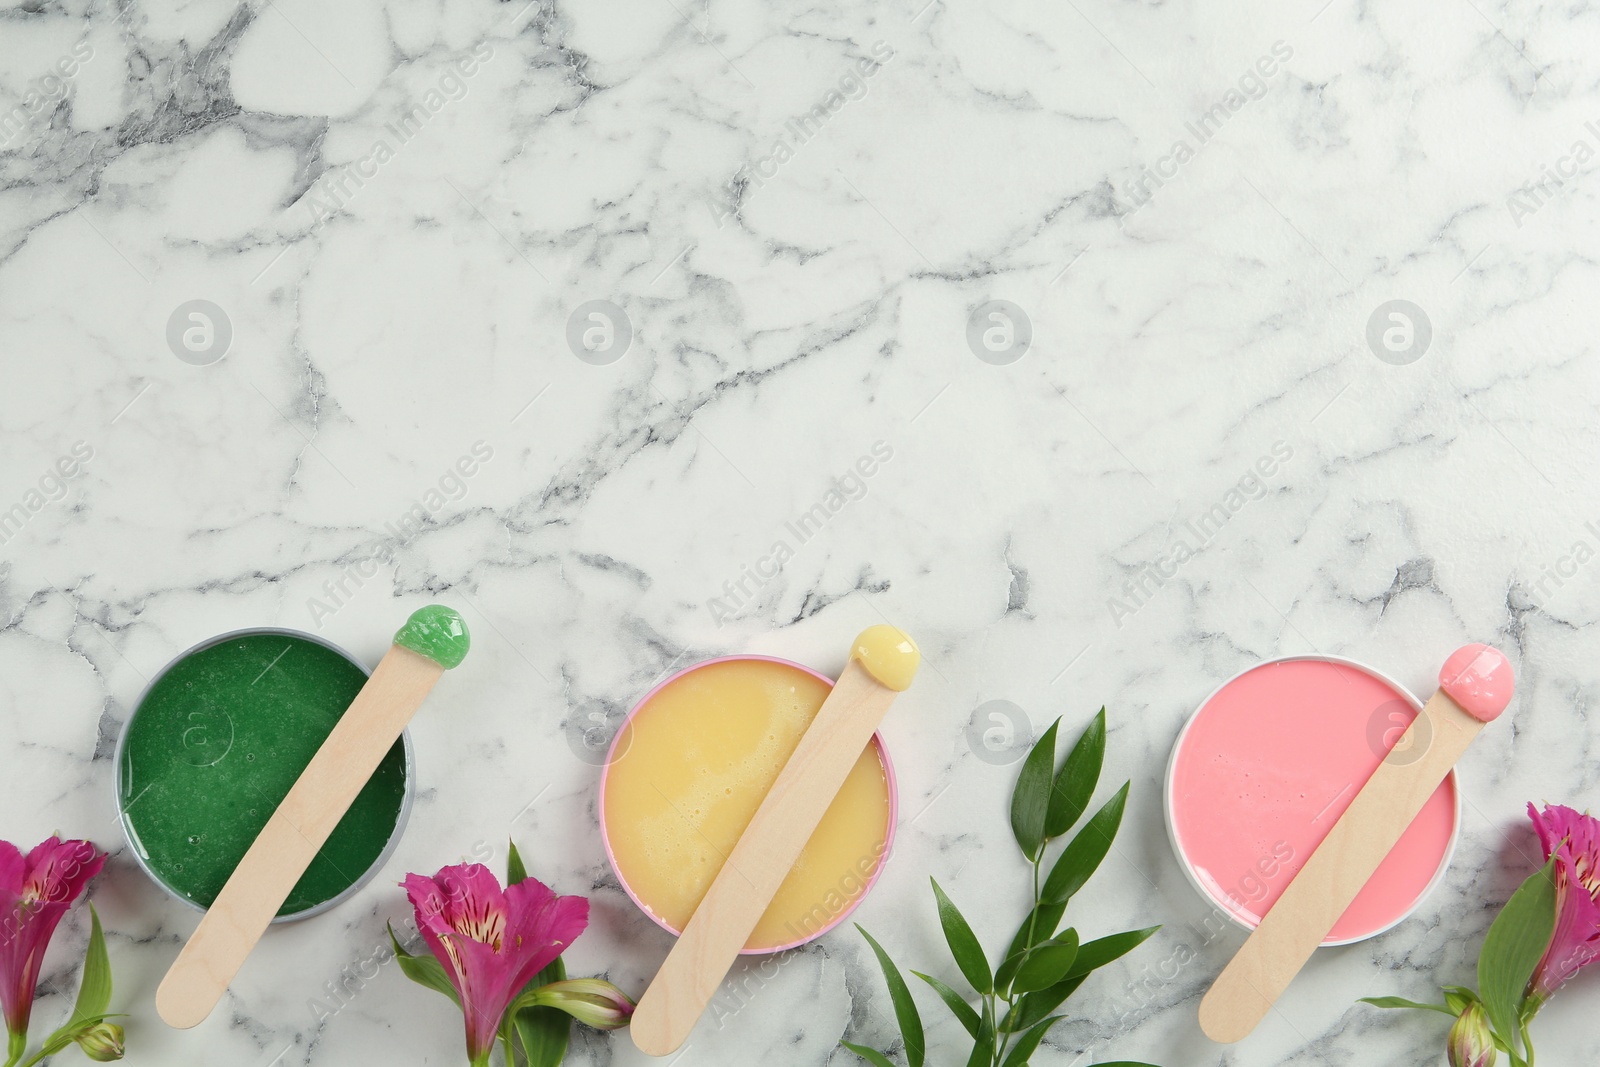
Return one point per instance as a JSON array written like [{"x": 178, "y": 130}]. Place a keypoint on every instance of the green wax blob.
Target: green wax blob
[
  {"x": 437, "y": 632},
  {"x": 214, "y": 748}
]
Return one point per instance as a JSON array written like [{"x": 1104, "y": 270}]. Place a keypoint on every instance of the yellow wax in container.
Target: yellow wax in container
[{"x": 690, "y": 769}]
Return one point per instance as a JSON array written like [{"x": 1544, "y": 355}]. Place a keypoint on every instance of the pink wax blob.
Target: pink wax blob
[
  {"x": 1479, "y": 679},
  {"x": 1270, "y": 762}
]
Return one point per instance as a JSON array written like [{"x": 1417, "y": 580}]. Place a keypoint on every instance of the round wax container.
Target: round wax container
[
  {"x": 1266, "y": 766},
  {"x": 687, "y": 771},
  {"x": 214, "y": 744}
]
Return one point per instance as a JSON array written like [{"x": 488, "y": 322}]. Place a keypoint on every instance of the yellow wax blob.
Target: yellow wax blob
[
  {"x": 696, "y": 761},
  {"x": 889, "y": 655}
]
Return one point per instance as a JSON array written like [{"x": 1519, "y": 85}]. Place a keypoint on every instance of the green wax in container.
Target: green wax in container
[{"x": 215, "y": 746}]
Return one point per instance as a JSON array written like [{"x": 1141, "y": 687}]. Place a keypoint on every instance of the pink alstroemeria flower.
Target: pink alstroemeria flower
[
  {"x": 491, "y": 941},
  {"x": 35, "y": 892},
  {"x": 1576, "y": 941}
]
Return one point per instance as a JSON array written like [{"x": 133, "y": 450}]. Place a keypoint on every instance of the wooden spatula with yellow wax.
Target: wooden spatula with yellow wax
[{"x": 882, "y": 663}]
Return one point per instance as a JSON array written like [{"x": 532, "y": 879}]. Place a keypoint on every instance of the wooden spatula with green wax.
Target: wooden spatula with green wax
[{"x": 431, "y": 642}]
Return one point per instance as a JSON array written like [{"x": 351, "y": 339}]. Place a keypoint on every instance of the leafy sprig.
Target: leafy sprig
[
  {"x": 1043, "y": 965},
  {"x": 1511, "y": 951}
]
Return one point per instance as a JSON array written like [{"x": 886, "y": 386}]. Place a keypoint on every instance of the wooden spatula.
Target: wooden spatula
[
  {"x": 1474, "y": 688},
  {"x": 881, "y": 665},
  {"x": 433, "y": 640}
]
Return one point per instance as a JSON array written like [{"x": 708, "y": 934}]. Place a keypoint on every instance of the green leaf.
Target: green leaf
[
  {"x": 963, "y": 943},
  {"x": 1030, "y": 801},
  {"x": 965, "y": 1013},
  {"x": 1102, "y": 950},
  {"x": 1035, "y": 1006},
  {"x": 1028, "y": 1043},
  {"x": 542, "y": 1032},
  {"x": 983, "y": 1047},
  {"x": 1038, "y": 927},
  {"x": 1085, "y": 851},
  {"x": 1513, "y": 947},
  {"x": 423, "y": 970},
  {"x": 1402, "y": 1002},
  {"x": 515, "y": 871},
  {"x": 1007, "y": 970},
  {"x": 905, "y": 1009},
  {"x": 1075, "y": 782},
  {"x": 94, "y": 991},
  {"x": 1457, "y": 998},
  {"x": 1047, "y": 964},
  {"x": 872, "y": 1056}
]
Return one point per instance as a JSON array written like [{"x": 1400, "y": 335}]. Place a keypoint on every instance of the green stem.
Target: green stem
[
  {"x": 989, "y": 1020},
  {"x": 507, "y": 1029},
  {"x": 56, "y": 1043},
  {"x": 44, "y": 1050},
  {"x": 1002, "y": 1042},
  {"x": 16, "y": 1045},
  {"x": 1527, "y": 1043},
  {"x": 1033, "y": 915}
]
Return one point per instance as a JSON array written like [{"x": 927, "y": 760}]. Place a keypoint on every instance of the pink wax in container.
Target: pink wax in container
[{"x": 1266, "y": 766}]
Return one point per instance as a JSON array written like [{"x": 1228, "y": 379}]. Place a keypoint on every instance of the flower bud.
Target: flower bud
[
  {"x": 1471, "y": 1042},
  {"x": 592, "y": 1001},
  {"x": 102, "y": 1042}
]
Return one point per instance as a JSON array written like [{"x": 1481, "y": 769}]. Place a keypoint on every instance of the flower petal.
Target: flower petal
[
  {"x": 428, "y": 904},
  {"x": 57, "y": 870},
  {"x": 11, "y": 871},
  {"x": 427, "y": 901},
  {"x": 543, "y": 925},
  {"x": 1575, "y": 841},
  {"x": 475, "y": 905},
  {"x": 35, "y": 892},
  {"x": 480, "y": 977}
]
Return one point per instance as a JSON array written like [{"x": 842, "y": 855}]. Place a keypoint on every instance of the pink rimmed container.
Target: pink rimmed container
[
  {"x": 883, "y": 759},
  {"x": 1375, "y": 723}
]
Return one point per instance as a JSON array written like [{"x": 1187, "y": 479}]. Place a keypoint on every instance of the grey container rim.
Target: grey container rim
[{"x": 250, "y": 631}]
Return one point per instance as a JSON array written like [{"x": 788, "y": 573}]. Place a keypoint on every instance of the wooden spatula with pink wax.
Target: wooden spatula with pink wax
[
  {"x": 241, "y": 716},
  {"x": 1252, "y": 770}
]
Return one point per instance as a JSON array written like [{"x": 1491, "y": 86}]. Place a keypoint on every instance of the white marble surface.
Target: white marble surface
[{"x": 785, "y": 317}]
